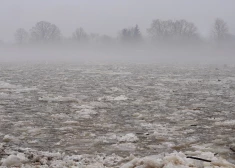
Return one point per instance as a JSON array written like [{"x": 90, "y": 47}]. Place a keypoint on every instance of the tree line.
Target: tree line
[{"x": 160, "y": 31}]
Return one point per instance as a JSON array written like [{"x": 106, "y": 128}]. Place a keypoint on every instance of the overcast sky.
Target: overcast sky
[{"x": 110, "y": 16}]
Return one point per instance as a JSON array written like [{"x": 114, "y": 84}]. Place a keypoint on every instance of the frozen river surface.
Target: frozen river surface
[{"x": 117, "y": 109}]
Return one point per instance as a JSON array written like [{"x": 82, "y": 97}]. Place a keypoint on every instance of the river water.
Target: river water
[{"x": 143, "y": 109}]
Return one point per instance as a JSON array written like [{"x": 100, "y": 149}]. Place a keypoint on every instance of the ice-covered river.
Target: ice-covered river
[{"x": 118, "y": 109}]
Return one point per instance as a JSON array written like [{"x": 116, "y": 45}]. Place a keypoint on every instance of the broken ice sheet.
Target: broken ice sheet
[{"x": 48, "y": 107}]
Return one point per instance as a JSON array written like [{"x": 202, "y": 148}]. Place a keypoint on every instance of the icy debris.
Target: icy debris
[
  {"x": 231, "y": 146},
  {"x": 82, "y": 107},
  {"x": 22, "y": 123},
  {"x": 56, "y": 155},
  {"x": 85, "y": 113},
  {"x": 155, "y": 147},
  {"x": 220, "y": 150},
  {"x": 65, "y": 128},
  {"x": 70, "y": 122},
  {"x": 11, "y": 161},
  {"x": 8, "y": 138},
  {"x": 58, "y": 99},
  {"x": 188, "y": 131},
  {"x": 111, "y": 136},
  {"x": 105, "y": 98},
  {"x": 112, "y": 160},
  {"x": 142, "y": 163},
  {"x": 1, "y": 146},
  {"x": 29, "y": 158},
  {"x": 16, "y": 88},
  {"x": 216, "y": 119},
  {"x": 34, "y": 131},
  {"x": 124, "y": 147},
  {"x": 59, "y": 164},
  {"x": 168, "y": 144},
  {"x": 5, "y": 85},
  {"x": 225, "y": 123},
  {"x": 110, "y": 98},
  {"x": 178, "y": 160},
  {"x": 147, "y": 125},
  {"x": 75, "y": 69},
  {"x": 6, "y": 96},
  {"x": 59, "y": 116},
  {"x": 120, "y": 98},
  {"x": 202, "y": 147},
  {"x": 25, "y": 90},
  {"x": 105, "y": 72},
  {"x": 219, "y": 142},
  {"x": 138, "y": 116},
  {"x": 128, "y": 138},
  {"x": 115, "y": 89},
  {"x": 88, "y": 134},
  {"x": 22, "y": 158},
  {"x": 32, "y": 142},
  {"x": 106, "y": 139},
  {"x": 138, "y": 101},
  {"x": 90, "y": 105},
  {"x": 99, "y": 104}
]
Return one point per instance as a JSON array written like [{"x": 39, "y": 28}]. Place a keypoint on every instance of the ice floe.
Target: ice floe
[
  {"x": 58, "y": 99},
  {"x": 128, "y": 138},
  {"x": 28, "y": 158}
]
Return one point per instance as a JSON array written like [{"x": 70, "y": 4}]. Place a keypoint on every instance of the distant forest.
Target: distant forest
[{"x": 169, "y": 32}]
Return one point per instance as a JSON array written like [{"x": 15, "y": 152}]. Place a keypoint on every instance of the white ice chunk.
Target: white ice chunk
[
  {"x": 128, "y": 138},
  {"x": 225, "y": 123},
  {"x": 120, "y": 98},
  {"x": 11, "y": 161}
]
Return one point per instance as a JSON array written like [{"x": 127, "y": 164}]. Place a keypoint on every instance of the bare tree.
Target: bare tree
[
  {"x": 21, "y": 36},
  {"x": 184, "y": 29},
  {"x": 80, "y": 35},
  {"x": 137, "y": 37},
  {"x": 220, "y": 31},
  {"x": 169, "y": 30},
  {"x": 125, "y": 35},
  {"x": 159, "y": 29},
  {"x": 45, "y": 32},
  {"x": 130, "y": 35}
]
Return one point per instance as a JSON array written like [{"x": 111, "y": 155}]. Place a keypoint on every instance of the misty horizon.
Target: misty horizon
[
  {"x": 109, "y": 17},
  {"x": 122, "y": 31}
]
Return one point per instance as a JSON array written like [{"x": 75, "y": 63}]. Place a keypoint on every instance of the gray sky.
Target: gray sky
[{"x": 110, "y": 16}]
